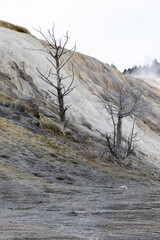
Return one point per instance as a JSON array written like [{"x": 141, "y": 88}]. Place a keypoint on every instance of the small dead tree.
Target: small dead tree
[
  {"x": 58, "y": 56},
  {"x": 127, "y": 102}
]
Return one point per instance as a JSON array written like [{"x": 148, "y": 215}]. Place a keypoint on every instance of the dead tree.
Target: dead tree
[
  {"x": 58, "y": 56},
  {"x": 126, "y": 102}
]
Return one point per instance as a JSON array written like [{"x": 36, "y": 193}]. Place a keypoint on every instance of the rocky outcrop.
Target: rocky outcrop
[
  {"x": 13, "y": 27},
  {"x": 19, "y": 114}
]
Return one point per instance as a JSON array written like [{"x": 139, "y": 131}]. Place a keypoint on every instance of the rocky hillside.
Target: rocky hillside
[{"x": 56, "y": 187}]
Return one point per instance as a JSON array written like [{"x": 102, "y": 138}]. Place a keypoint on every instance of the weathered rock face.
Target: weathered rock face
[
  {"x": 56, "y": 187},
  {"x": 13, "y": 27},
  {"x": 20, "y": 59}
]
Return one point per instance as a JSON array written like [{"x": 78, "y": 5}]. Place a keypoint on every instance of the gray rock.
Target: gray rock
[{"x": 19, "y": 114}]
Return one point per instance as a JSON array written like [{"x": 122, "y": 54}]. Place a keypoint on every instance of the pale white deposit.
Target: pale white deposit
[{"x": 91, "y": 80}]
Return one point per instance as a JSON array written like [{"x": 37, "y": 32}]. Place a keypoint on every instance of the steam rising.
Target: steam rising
[{"x": 147, "y": 71}]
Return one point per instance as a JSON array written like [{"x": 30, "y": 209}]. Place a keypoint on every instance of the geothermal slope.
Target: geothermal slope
[{"x": 56, "y": 187}]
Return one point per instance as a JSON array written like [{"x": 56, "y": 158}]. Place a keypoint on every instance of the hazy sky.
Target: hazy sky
[{"x": 123, "y": 32}]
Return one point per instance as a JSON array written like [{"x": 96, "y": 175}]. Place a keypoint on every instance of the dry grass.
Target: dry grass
[{"x": 13, "y": 27}]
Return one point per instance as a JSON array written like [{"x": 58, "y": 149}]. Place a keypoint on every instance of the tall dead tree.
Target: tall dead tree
[
  {"x": 126, "y": 102},
  {"x": 58, "y": 56}
]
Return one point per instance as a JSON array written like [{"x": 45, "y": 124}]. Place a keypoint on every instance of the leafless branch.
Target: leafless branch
[
  {"x": 55, "y": 49},
  {"x": 126, "y": 103}
]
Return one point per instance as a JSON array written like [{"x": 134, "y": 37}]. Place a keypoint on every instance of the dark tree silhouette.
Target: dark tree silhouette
[
  {"x": 58, "y": 56},
  {"x": 126, "y": 103}
]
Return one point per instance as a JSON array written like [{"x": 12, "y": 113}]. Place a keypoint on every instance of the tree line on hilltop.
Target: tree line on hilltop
[{"x": 146, "y": 70}]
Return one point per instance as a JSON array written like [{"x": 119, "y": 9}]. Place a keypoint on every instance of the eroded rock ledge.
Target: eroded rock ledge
[{"x": 13, "y": 27}]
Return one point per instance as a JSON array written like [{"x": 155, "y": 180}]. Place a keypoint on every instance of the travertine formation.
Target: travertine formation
[{"x": 56, "y": 187}]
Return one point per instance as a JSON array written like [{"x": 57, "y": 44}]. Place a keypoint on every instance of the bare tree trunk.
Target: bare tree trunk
[
  {"x": 119, "y": 133},
  {"x": 127, "y": 102},
  {"x": 60, "y": 97},
  {"x": 64, "y": 127},
  {"x": 60, "y": 56}
]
